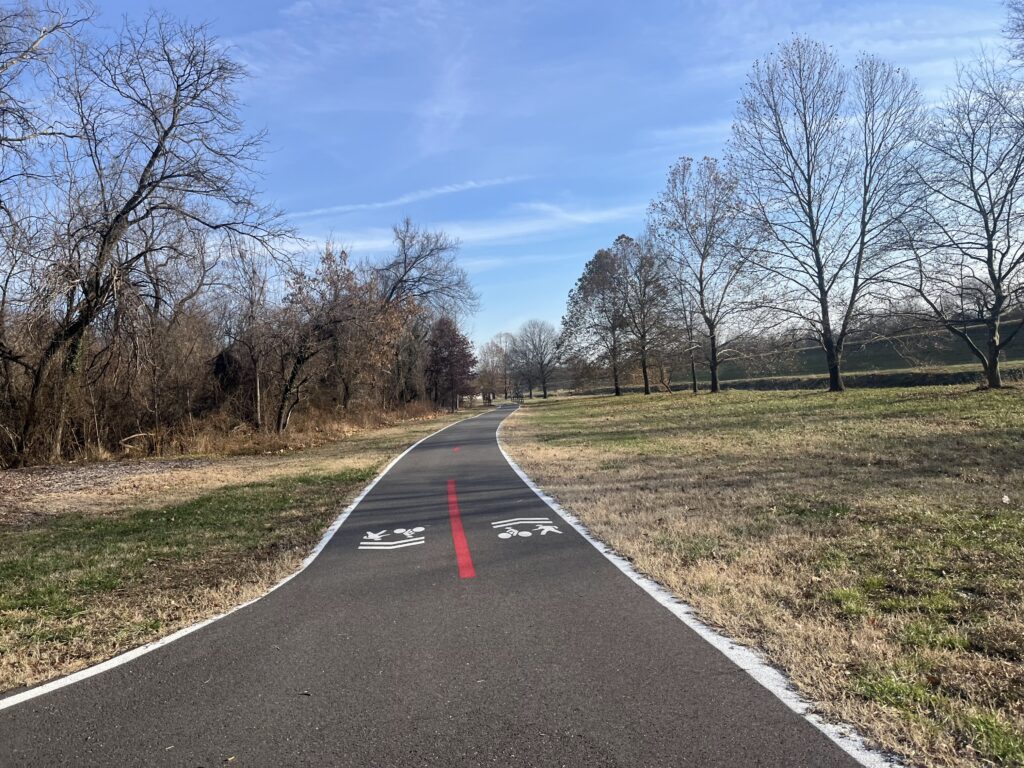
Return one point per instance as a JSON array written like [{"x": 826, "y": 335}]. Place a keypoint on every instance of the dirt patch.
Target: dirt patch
[{"x": 28, "y": 496}]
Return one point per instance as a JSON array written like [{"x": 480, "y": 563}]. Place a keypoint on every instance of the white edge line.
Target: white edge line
[
  {"x": 750, "y": 661},
  {"x": 142, "y": 650}
]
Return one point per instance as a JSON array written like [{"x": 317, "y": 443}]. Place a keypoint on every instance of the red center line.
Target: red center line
[{"x": 466, "y": 569}]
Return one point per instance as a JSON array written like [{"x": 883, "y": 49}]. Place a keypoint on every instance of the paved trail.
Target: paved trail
[{"x": 426, "y": 635}]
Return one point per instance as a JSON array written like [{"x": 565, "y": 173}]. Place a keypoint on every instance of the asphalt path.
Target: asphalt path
[{"x": 431, "y": 631}]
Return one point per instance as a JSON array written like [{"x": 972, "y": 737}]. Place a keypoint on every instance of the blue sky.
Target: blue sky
[{"x": 534, "y": 131}]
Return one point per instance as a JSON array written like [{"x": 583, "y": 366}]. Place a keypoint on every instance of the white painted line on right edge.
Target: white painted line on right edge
[{"x": 750, "y": 661}]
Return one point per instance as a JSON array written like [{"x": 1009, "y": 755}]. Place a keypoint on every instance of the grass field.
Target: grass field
[
  {"x": 870, "y": 543},
  {"x": 101, "y": 564}
]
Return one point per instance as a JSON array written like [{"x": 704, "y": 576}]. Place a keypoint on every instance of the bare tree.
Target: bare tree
[
  {"x": 30, "y": 39},
  {"x": 450, "y": 363},
  {"x": 645, "y": 298},
  {"x": 493, "y": 370},
  {"x": 536, "y": 349},
  {"x": 1014, "y": 28},
  {"x": 144, "y": 286},
  {"x": 823, "y": 158},
  {"x": 248, "y": 317},
  {"x": 506, "y": 342},
  {"x": 424, "y": 269},
  {"x": 966, "y": 239},
  {"x": 423, "y": 273},
  {"x": 317, "y": 307},
  {"x": 697, "y": 222},
  {"x": 595, "y": 323},
  {"x": 157, "y": 143}
]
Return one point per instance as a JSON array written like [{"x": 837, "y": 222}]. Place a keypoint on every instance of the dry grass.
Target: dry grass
[
  {"x": 28, "y": 495},
  {"x": 98, "y": 559},
  {"x": 871, "y": 544}
]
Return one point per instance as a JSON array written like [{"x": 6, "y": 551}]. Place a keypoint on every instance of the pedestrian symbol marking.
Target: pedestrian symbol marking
[
  {"x": 525, "y": 527},
  {"x": 397, "y": 538}
]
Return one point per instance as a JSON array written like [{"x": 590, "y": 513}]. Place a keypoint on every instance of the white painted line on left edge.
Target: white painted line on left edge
[{"x": 117, "y": 661}]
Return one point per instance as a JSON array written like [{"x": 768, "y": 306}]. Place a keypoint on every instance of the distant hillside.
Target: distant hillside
[
  {"x": 911, "y": 359},
  {"x": 912, "y": 350}
]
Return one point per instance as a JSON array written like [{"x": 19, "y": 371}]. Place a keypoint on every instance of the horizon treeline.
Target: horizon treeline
[
  {"x": 845, "y": 209},
  {"x": 148, "y": 294}
]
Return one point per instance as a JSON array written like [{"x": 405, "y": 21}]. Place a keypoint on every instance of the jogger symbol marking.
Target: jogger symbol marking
[
  {"x": 406, "y": 537},
  {"x": 524, "y": 527}
]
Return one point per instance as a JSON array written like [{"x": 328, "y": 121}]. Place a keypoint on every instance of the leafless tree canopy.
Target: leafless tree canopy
[
  {"x": 823, "y": 155},
  {"x": 1015, "y": 27},
  {"x": 534, "y": 355},
  {"x": 594, "y": 328},
  {"x": 711, "y": 251},
  {"x": 965, "y": 241},
  {"x": 144, "y": 285},
  {"x": 424, "y": 269},
  {"x": 32, "y": 40},
  {"x": 845, "y": 210}
]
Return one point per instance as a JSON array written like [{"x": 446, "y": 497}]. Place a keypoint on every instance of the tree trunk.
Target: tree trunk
[
  {"x": 288, "y": 412},
  {"x": 833, "y": 347},
  {"x": 615, "y": 378},
  {"x": 993, "y": 375},
  {"x": 56, "y": 445},
  {"x": 28, "y": 423},
  {"x": 72, "y": 346},
  {"x": 258, "y": 404},
  {"x": 68, "y": 340},
  {"x": 693, "y": 373},
  {"x": 713, "y": 361},
  {"x": 346, "y": 394},
  {"x": 833, "y": 358},
  {"x": 284, "y": 410},
  {"x": 647, "y": 375}
]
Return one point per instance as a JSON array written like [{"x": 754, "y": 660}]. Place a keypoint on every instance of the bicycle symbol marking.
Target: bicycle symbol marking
[{"x": 510, "y": 532}]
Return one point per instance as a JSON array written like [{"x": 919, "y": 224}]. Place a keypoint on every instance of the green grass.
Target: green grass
[{"x": 60, "y": 578}]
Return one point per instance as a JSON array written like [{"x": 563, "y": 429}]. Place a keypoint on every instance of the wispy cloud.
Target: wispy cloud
[
  {"x": 924, "y": 36},
  {"x": 544, "y": 219},
  {"x": 300, "y": 8},
  {"x": 412, "y": 197},
  {"x": 693, "y": 136},
  {"x": 477, "y": 265},
  {"x": 540, "y": 221},
  {"x": 442, "y": 114}
]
